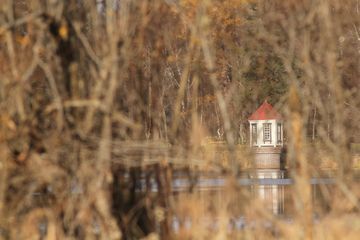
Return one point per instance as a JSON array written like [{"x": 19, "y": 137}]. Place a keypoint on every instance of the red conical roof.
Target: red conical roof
[{"x": 265, "y": 112}]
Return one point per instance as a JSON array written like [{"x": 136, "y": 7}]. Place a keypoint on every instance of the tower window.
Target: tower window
[
  {"x": 267, "y": 132},
  {"x": 279, "y": 139},
  {"x": 254, "y": 133}
]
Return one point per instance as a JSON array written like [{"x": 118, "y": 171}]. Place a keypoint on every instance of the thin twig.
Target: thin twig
[
  {"x": 56, "y": 93},
  {"x": 88, "y": 49},
  {"x": 26, "y": 19}
]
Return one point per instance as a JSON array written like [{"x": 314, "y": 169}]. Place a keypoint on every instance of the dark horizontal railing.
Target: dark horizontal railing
[
  {"x": 218, "y": 183},
  {"x": 183, "y": 184}
]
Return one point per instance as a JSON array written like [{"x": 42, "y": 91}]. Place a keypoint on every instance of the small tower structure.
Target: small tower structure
[
  {"x": 266, "y": 127},
  {"x": 267, "y": 140}
]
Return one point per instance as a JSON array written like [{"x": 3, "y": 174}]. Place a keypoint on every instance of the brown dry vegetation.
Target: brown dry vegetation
[{"x": 97, "y": 95}]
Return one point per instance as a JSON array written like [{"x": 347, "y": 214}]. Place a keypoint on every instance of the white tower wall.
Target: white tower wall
[{"x": 260, "y": 133}]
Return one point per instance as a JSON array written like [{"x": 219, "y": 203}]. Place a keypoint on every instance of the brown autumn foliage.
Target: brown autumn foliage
[{"x": 100, "y": 97}]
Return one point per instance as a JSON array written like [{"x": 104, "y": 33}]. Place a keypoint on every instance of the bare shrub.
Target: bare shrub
[{"x": 100, "y": 101}]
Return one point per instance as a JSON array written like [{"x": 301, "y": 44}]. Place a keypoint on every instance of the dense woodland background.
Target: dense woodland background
[{"x": 81, "y": 82}]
